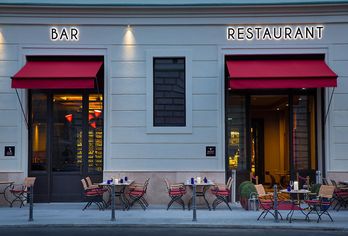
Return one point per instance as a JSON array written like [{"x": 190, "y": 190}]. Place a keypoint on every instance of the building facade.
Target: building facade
[{"x": 146, "y": 89}]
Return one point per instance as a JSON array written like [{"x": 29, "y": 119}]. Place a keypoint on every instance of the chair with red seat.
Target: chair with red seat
[
  {"x": 137, "y": 194},
  {"x": 175, "y": 192},
  {"x": 21, "y": 192},
  {"x": 322, "y": 203},
  {"x": 222, "y": 192},
  {"x": 93, "y": 195},
  {"x": 266, "y": 202}
]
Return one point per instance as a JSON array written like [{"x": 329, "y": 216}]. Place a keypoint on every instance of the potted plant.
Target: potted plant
[{"x": 245, "y": 189}]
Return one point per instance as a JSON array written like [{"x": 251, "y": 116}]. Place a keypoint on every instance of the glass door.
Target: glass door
[{"x": 67, "y": 146}]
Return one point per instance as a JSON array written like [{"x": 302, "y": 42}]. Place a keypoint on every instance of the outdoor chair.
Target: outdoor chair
[
  {"x": 340, "y": 196},
  {"x": 137, "y": 194},
  {"x": 93, "y": 195},
  {"x": 222, "y": 192},
  {"x": 21, "y": 192},
  {"x": 322, "y": 203},
  {"x": 266, "y": 203},
  {"x": 304, "y": 182},
  {"x": 175, "y": 192}
]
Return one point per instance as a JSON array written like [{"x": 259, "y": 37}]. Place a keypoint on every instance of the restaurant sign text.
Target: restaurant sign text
[{"x": 301, "y": 32}]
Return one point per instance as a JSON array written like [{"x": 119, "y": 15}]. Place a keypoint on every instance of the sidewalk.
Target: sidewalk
[{"x": 71, "y": 214}]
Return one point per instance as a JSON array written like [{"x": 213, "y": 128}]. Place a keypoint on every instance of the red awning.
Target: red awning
[
  {"x": 57, "y": 75},
  {"x": 268, "y": 74}
]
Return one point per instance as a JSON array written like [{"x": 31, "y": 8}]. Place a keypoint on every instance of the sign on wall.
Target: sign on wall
[
  {"x": 302, "y": 32},
  {"x": 64, "y": 34},
  {"x": 9, "y": 151}
]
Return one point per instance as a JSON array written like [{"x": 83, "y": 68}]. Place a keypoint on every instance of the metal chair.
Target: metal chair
[
  {"x": 22, "y": 191},
  {"x": 137, "y": 194},
  {"x": 175, "y": 192},
  {"x": 323, "y": 202},
  {"x": 93, "y": 195},
  {"x": 222, "y": 193}
]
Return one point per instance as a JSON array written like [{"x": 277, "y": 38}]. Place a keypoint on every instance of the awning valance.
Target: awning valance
[
  {"x": 282, "y": 73},
  {"x": 57, "y": 75}
]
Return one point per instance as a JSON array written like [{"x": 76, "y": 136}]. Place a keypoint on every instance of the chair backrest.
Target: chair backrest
[
  {"x": 29, "y": 181},
  {"x": 167, "y": 183},
  {"x": 333, "y": 182},
  {"x": 89, "y": 181},
  {"x": 325, "y": 182},
  {"x": 260, "y": 189},
  {"x": 252, "y": 177},
  {"x": 326, "y": 191},
  {"x": 229, "y": 183},
  {"x": 84, "y": 184}
]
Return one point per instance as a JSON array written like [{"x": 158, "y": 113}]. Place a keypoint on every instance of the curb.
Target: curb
[{"x": 188, "y": 225}]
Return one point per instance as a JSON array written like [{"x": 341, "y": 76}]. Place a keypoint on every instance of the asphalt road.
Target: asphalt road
[{"x": 166, "y": 231}]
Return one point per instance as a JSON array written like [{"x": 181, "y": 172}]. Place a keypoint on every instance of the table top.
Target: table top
[
  {"x": 344, "y": 182},
  {"x": 6, "y": 182},
  {"x": 303, "y": 191},
  {"x": 208, "y": 183},
  {"x": 129, "y": 182}
]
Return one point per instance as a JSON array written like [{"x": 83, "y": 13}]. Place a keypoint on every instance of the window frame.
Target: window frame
[{"x": 150, "y": 56}]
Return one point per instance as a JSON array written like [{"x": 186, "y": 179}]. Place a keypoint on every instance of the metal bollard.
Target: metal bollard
[
  {"x": 318, "y": 177},
  {"x": 31, "y": 202},
  {"x": 194, "y": 203},
  {"x": 275, "y": 203}
]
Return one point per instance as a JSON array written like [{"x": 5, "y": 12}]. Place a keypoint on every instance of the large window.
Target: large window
[{"x": 169, "y": 105}]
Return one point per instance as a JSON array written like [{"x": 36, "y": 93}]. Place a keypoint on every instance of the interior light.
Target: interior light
[
  {"x": 69, "y": 117},
  {"x": 278, "y": 109},
  {"x": 90, "y": 117},
  {"x": 286, "y": 105},
  {"x": 97, "y": 113},
  {"x": 300, "y": 99},
  {"x": 93, "y": 124}
]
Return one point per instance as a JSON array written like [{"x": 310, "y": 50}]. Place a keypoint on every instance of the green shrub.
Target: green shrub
[{"x": 245, "y": 189}]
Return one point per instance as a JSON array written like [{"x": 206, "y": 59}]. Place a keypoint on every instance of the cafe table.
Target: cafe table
[
  {"x": 198, "y": 194},
  {"x": 7, "y": 185},
  {"x": 295, "y": 202},
  {"x": 120, "y": 193}
]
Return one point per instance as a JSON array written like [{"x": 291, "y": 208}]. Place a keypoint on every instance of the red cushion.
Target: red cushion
[
  {"x": 136, "y": 193},
  {"x": 312, "y": 202},
  {"x": 222, "y": 193}
]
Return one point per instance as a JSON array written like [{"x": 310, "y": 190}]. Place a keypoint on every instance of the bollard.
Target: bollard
[
  {"x": 194, "y": 202},
  {"x": 31, "y": 202},
  {"x": 113, "y": 202},
  {"x": 318, "y": 177},
  {"x": 275, "y": 203}
]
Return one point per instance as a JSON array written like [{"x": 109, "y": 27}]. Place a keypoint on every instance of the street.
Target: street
[{"x": 147, "y": 231}]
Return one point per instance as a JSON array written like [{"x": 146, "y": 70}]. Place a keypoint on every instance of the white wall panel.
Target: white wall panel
[
  {"x": 9, "y": 135},
  {"x": 137, "y": 52},
  {"x": 128, "y": 102},
  {"x": 204, "y": 69},
  {"x": 340, "y": 67},
  {"x": 340, "y": 118},
  {"x": 205, "y": 118},
  {"x": 139, "y": 135},
  {"x": 9, "y": 118},
  {"x": 5, "y": 85},
  {"x": 204, "y": 102},
  {"x": 128, "y": 118},
  {"x": 156, "y": 151},
  {"x": 205, "y": 86},
  {"x": 340, "y": 101},
  {"x": 127, "y": 69},
  {"x": 340, "y": 151},
  {"x": 342, "y": 85},
  {"x": 8, "y": 52},
  {"x": 340, "y": 135},
  {"x": 128, "y": 85},
  {"x": 339, "y": 52},
  {"x": 8, "y": 101},
  {"x": 8, "y": 68}
]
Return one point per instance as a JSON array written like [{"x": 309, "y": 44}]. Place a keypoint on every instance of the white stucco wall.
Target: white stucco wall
[{"x": 128, "y": 144}]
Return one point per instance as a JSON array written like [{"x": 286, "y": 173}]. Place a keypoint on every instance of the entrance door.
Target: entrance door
[
  {"x": 67, "y": 146},
  {"x": 66, "y": 143}
]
